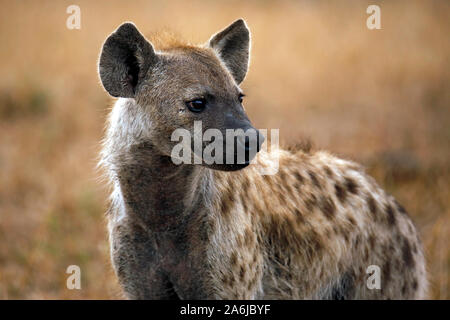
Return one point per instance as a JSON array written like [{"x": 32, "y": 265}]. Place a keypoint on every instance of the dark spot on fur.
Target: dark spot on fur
[
  {"x": 328, "y": 172},
  {"x": 390, "y": 215},
  {"x": 314, "y": 179},
  {"x": 414, "y": 284},
  {"x": 351, "y": 220},
  {"x": 407, "y": 255},
  {"x": 315, "y": 243},
  {"x": 298, "y": 177},
  {"x": 311, "y": 202},
  {"x": 357, "y": 241},
  {"x": 283, "y": 175},
  {"x": 341, "y": 193},
  {"x": 242, "y": 273},
  {"x": 255, "y": 257},
  {"x": 328, "y": 207},
  {"x": 372, "y": 241},
  {"x": 231, "y": 280},
  {"x": 335, "y": 229},
  {"x": 351, "y": 185},
  {"x": 345, "y": 235},
  {"x": 226, "y": 203},
  {"x": 245, "y": 184},
  {"x": 372, "y": 206},
  {"x": 224, "y": 279},
  {"x": 400, "y": 208}
]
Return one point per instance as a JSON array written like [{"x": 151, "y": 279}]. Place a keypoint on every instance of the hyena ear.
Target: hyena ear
[
  {"x": 233, "y": 45},
  {"x": 124, "y": 61}
]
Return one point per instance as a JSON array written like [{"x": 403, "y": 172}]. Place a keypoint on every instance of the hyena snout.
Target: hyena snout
[
  {"x": 239, "y": 147},
  {"x": 245, "y": 139},
  {"x": 247, "y": 143}
]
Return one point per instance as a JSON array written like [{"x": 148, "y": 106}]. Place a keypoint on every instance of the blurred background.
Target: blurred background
[{"x": 380, "y": 97}]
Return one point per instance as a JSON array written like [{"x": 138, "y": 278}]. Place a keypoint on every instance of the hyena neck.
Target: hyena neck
[{"x": 160, "y": 194}]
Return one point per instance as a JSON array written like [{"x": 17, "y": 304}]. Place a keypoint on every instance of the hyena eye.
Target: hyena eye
[
  {"x": 241, "y": 97},
  {"x": 197, "y": 105}
]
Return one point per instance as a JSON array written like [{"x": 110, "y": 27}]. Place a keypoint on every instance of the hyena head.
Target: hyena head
[{"x": 176, "y": 87}]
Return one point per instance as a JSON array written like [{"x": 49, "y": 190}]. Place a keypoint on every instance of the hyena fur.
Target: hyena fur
[{"x": 225, "y": 231}]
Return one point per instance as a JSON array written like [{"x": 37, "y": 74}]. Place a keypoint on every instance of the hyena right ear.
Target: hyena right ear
[
  {"x": 233, "y": 46},
  {"x": 124, "y": 61}
]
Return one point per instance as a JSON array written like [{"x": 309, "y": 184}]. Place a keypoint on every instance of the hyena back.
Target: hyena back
[{"x": 221, "y": 231}]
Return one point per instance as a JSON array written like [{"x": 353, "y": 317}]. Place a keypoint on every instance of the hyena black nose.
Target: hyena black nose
[
  {"x": 249, "y": 143},
  {"x": 253, "y": 141}
]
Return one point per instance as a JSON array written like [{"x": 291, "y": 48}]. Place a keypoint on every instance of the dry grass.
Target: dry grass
[{"x": 379, "y": 97}]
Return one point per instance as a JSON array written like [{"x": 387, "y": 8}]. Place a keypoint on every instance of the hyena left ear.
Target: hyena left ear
[
  {"x": 124, "y": 61},
  {"x": 233, "y": 45}
]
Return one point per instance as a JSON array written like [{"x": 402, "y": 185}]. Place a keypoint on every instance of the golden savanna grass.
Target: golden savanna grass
[{"x": 380, "y": 97}]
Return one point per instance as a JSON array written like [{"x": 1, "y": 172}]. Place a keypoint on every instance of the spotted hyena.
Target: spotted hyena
[{"x": 224, "y": 231}]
